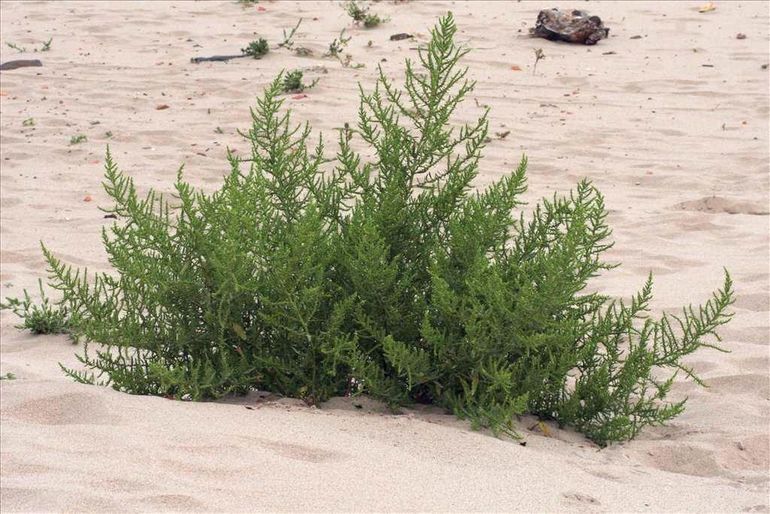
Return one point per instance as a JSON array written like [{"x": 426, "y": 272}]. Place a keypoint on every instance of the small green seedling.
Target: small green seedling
[
  {"x": 539, "y": 55},
  {"x": 29, "y": 122},
  {"x": 80, "y": 138},
  {"x": 108, "y": 134},
  {"x": 356, "y": 11},
  {"x": 361, "y": 14},
  {"x": 288, "y": 38},
  {"x": 338, "y": 45},
  {"x": 293, "y": 83},
  {"x": 373, "y": 20},
  {"x": 46, "y": 46},
  {"x": 347, "y": 62},
  {"x": 257, "y": 48},
  {"x": 16, "y": 47},
  {"x": 8, "y": 376},
  {"x": 219, "y": 130},
  {"x": 42, "y": 318}
]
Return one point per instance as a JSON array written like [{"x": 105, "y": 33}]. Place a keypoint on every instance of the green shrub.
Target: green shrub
[
  {"x": 40, "y": 318},
  {"x": 256, "y": 49},
  {"x": 293, "y": 82},
  {"x": 361, "y": 14},
  {"x": 390, "y": 277}
]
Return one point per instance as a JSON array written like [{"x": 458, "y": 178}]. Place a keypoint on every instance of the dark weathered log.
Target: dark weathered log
[
  {"x": 21, "y": 63},
  {"x": 223, "y": 58},
  {"x": 571, "y": 26}
]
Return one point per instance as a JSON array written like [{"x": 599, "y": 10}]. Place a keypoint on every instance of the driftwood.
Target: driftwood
[
  {"x": 21, "y": 63},
  {"x": 223, "y": 58},
  {"x": 571, "y": 26}
]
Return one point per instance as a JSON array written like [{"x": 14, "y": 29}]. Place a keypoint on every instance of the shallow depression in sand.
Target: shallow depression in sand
[{"x": 66, "y": 409}]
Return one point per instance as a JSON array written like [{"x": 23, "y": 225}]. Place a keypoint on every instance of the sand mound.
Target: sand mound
[{"x": 718, "y": 204}]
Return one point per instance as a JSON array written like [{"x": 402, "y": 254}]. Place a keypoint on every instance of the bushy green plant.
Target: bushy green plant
[
  {"x": 293, "y": 82},
  {"x": 257, "y": 48},
  {"x": 361, "y": 14},
  {"x": 356, "y": 11},
  {"x": 40, "y": 318},
  {"x": 391, "y": 277}
]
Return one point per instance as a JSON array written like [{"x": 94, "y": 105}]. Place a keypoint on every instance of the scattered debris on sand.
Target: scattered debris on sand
[{"x": 570, "y": 26}]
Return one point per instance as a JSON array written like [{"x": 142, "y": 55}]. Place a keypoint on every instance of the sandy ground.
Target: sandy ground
[{"x": 672, "y": 126}]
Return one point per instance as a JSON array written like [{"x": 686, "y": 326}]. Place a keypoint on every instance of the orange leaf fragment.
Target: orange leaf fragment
[
  {"x": 161, "y": 107},
  {"x": 299, "y": 96},
  {"x": 707, "y": 7},
  {"x": 87, "y": 198},
  {"x": 516, "y": 67}
]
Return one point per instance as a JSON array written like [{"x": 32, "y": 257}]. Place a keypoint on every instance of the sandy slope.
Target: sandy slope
[{"x": 680, "y": 150}]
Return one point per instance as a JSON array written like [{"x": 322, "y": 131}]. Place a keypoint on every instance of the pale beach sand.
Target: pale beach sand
[{"x": 672, "y": 127}]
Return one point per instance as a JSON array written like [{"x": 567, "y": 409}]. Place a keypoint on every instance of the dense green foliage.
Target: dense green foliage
[{"x": 392, "y": 278}]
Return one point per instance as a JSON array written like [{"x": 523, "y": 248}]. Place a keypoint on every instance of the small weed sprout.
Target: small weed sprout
[
  {"x": 361, "y": 15},
  {"x": 338, "y": 45},
  {"x": 539, "y": 55},
  {"x": 46, "y": 46},
  {"x": 356, "y": 11},
  {"x": 8, "y": 376},
  {"x": 29, "y": 122},
  {"x": 347, "y": 62},
  {"x": 42, "y": 318},
  {"x": 257, "y": 48},
  {"x": 293, "y": 83},
  {"x": 16, "y": 47},
  {"x": 76, "y": 140},
  {"x": 336, "y": 48},
  {"x": 288, "y": 38},
  {"x": 373, "y": 20}
]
